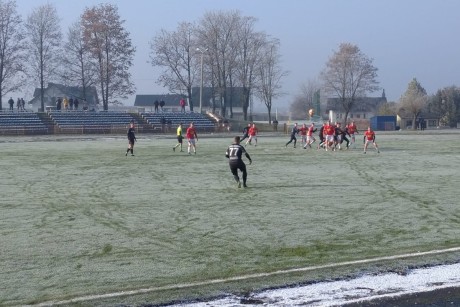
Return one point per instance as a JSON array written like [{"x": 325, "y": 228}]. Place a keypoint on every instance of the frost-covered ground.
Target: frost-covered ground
[{"x": 359, "y": 290}]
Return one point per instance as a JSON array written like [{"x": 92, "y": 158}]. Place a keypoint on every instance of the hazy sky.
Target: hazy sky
[{"x": 406, "y": 38}]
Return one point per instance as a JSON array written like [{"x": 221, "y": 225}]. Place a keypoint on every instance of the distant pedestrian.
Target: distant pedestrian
[
  {"x": 156, "y": 104},
  {"x": 162, "y": 105},
  {"x": 23, "y": 104},
  {"x": 182, "y": 105},
  {"x": 11, "y": 103},
  {"x": 75, "y": 103},
  {"x": 234, "y": 153},
  {"x": 18, "y": 104},
  {"x": 71, "y": 103},
  {"x": 131, "y": 139},
  {"x": 59, "y": 104}
]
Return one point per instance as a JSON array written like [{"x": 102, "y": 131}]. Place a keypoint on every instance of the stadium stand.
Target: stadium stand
[
  {"x": 91, "y": 122},
  {"x": 201, "y": 121},
  {"x": 21, "y": 123}
]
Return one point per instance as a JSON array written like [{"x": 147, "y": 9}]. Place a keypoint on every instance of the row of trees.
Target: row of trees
[
  {"x": 349, "y": 75},
  {"x": 228, "y": 52},
  {"x": 97, "y": 51}
]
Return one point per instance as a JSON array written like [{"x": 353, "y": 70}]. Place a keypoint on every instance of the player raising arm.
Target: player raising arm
[{"x": 234, "y": 153}]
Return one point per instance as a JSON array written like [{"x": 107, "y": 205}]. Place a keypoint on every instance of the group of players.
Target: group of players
[{"x": 331, "y": 137}]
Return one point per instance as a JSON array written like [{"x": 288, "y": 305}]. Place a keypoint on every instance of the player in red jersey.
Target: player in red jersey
[
  {"x": 192, "y": 138},
  {"x": 352, "y": 130},
  {"x": 329, "y": 133},
  {"x": 252, "y": 134},
  {"x": 303, "y": 134},
  {"x": 369, "y": 136},
  {"x": 310, "y": 138}
]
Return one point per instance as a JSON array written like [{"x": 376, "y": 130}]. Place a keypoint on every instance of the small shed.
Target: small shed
[{"x": 385, "y": 123}]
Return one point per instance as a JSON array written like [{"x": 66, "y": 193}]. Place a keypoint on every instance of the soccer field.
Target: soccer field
[{"x": 79, "y": 219}]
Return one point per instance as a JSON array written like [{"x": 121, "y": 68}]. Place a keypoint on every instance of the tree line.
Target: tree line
[
  {"x": 349, "y": 74},
  {"x": 221, "y": 51},
  {"x": 97, "y": 51}
]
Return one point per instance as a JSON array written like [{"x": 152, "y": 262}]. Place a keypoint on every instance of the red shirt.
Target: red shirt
[
  {"x": 253, "y": 131},
  {"x": 310, "y": 130},
  {"x": 191, "y": 133},
  {"x": 352, "y": 128},
  {"x": 303, "y": 130},
  {"x": 370, "y": 135},
  {"x": 329, "y": 130}
]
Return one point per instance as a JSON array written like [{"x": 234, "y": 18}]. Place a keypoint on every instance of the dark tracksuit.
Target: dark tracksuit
[
  {"x": 294, "y": 131},
  {"x": 234, "y": 153}
]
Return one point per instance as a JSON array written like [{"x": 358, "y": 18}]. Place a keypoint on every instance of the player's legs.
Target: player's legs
[
  {"x": 234, "y": 170},
  {"x": 376, "y": 147},
  {"x": 242, "y": 167}
]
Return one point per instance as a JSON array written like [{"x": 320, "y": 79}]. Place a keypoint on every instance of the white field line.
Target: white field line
[{"x": 240, "y": 278}]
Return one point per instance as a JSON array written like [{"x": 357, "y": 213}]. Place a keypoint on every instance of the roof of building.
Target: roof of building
[{"x": 60, "y": 90}]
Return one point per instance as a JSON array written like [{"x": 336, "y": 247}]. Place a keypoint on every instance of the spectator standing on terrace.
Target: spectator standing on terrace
[
  {"x": 65, "y": 102},
  {"x": 131, "y": 139},
  {"x": 75, "y": 103},
  {"x": 23, "y": 104},
  {"x": 179, "y": 138},
  {"x": 11, "y": 103},
  {"x": 156, "y": 104},
  {"x": 18, "y": 104},
  {"x": 59, "y": 104},
  {"x": 234, "y": 153},
  {"x": 71, "y": 103},
  {"x": 162, "y": 104},
  {"x": 182, "y": 105},
  {"x": 192, "y": 138}
]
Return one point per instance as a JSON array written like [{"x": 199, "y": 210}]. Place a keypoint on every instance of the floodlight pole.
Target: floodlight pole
[{"x": 201, "y": 85}]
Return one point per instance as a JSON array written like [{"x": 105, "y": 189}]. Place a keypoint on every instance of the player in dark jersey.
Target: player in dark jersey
[
  {"x": 131, "y": 139},
  {"x": 234, "y": 153},
  {"x": 294, "y": 131},
  {"x": 245, "y": 132}
]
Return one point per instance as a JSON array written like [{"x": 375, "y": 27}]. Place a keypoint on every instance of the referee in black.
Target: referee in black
[{"x": 234, "y": 153}]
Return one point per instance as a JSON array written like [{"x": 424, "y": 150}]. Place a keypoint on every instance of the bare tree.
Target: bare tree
[
  {"x": 250, "y": 45},
  {"x": 446, "y": 104},
  {"x": 414, "y": 100},
  {"x": 349, "y": 74},
  {"x": 305, "y": 100},
  {"x": 216, "y": 31},
  {"x": 111, "y": 47},
  {"x": 269, "y": 75},
  {"x": 177, "y": 53},
  {"x": 44, "y": 34},
  {"x": 78, "y": 67},
  {"x": 12, "y": 56}
]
